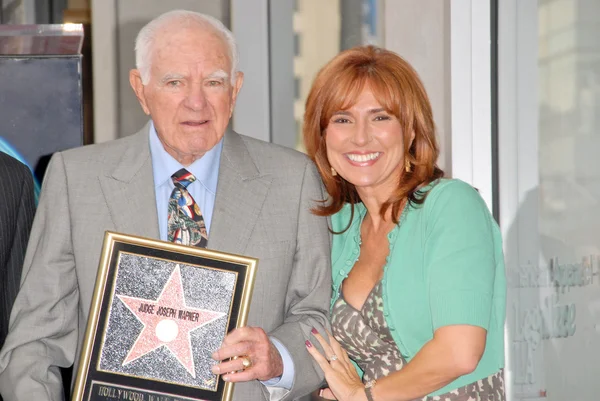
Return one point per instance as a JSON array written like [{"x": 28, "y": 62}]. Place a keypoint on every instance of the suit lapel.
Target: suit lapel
[
  {"x": 241, "y": 192},
  {"x": 129, "y": 189}
]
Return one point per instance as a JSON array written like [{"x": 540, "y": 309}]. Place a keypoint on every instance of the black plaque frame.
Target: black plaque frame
[{"x": 94, "y": 381}]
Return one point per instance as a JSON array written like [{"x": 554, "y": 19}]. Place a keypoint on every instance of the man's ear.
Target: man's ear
[
  {"x": 135, "y": 80},
  {"x": 239, "y": 81}
]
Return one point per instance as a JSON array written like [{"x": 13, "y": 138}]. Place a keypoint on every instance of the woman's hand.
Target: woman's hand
[
  {"x": 341, "y": 376},
  {"x": 327, "y": 394}
]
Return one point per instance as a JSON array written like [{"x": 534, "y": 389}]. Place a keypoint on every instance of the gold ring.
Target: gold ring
[{"x": 246, "y": 362}]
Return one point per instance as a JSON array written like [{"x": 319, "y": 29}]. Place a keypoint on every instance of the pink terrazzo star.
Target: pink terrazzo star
[{"x": 167, "y": 321}]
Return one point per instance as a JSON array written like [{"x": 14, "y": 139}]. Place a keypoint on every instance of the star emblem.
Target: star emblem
[{"x": 167, "y": 322}]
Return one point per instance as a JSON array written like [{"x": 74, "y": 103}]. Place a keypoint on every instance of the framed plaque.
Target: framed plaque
[{"x": 158, "y": 313}]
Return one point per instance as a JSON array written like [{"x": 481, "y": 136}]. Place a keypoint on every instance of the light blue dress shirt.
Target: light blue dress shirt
[{"x": 203, "y": 190}]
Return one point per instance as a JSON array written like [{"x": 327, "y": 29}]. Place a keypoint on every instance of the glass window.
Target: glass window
[
  {"x": 553, "y": 241},
  {"x": 318, "y": 30}
]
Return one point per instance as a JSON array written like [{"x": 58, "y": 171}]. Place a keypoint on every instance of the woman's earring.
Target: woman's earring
[
  {"x": 333, "y": 172},
  {"x": 407, "y": 165}
]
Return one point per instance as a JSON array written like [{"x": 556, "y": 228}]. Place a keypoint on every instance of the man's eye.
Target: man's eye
[
  {"x": 174, "y": 83},
  {"x": 214, "y": 83}
]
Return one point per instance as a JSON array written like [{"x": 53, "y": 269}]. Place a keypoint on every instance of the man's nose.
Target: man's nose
[{"x": 196, "y": 98}]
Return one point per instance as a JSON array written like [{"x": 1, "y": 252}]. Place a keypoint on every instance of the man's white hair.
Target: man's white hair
[{"x": 147, "y": 37}]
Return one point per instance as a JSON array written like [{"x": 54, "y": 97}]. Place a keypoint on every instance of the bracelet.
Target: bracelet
[{"x": 370, "y": 384}]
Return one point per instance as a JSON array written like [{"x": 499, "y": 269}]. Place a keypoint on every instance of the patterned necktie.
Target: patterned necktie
[{"x": 186, "y": 224}]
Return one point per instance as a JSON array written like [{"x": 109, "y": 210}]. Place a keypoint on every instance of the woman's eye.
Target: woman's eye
[
  {"x": 382, "y": 118},
  {"x": 341, "y": 120}
]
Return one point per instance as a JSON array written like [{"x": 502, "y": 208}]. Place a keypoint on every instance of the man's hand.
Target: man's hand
[{"x": 249, "y": 345}]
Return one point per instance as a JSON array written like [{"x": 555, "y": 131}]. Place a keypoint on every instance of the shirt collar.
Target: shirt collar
[{"x": 206, "y": 168}]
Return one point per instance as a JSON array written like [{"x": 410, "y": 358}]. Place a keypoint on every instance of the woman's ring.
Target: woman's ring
[{"x": 333, "y": 358}]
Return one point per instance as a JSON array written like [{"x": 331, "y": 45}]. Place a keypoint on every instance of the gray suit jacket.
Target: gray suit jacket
[
  {"x": 262, "y": 209},
  {"x": 17, "y": 207}
]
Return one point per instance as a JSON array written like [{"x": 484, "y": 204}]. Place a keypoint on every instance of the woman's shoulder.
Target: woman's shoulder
[
  {"x": 451, "y": 190},
  {"x": 456, "y": 203},
  {"x": 453, "y": 185}
]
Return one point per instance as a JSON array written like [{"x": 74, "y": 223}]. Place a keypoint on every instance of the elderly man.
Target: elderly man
[{"x": 251, "y": 198}]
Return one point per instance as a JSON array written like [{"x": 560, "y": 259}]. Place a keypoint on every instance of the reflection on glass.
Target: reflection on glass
[
  {"x": 321, "y": 30},
  {"x": 556, "y": 326}
]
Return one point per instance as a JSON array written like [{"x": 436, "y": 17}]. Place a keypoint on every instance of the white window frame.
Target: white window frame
[
  {"x": 471, "y": 96},
  {"x": 518, "y": 164}
]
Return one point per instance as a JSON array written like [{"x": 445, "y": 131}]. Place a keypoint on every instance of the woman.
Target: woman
[{"x": 418, "y": 271}]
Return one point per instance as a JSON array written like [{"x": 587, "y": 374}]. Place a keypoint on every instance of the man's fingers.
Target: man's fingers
[
  {"x": 240, "y": 342},
  {"x": 242, "y": 334},
  {"x": 241, "y": 376},
  {"x": 228, "y": 366},
  {"x": 253, "y": 343},
  {"x": 231, "y": 351},
  {"x": 235, "y": 336}
]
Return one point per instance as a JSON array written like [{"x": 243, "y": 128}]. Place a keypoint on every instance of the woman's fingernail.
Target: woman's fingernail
[
  {"x": 314, "y": 331},
  {"x": 308, "y": 344}
]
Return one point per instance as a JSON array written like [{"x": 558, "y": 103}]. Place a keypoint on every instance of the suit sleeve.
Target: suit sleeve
[
  {"x": 43, "y": 326},
  {"x": 19, "y": 235},
  {"x": 309, "y": 291},
  {"x": 17, "y": 207}
]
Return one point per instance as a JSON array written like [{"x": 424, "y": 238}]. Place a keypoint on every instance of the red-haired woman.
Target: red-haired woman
[{"x": 419, "y": 285}]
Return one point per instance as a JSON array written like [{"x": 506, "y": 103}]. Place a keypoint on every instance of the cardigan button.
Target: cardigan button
[{"x": 342, "y": 272}]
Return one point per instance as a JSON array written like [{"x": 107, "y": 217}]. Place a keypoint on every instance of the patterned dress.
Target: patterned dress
[{"x": 367, "y": 339}]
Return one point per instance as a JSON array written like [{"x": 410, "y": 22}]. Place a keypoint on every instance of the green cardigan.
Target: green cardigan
[{"x": 445, "y": 267}]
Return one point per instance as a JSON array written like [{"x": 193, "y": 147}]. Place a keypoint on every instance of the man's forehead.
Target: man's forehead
[
  {"x": 181, "y": 51},
  {"x": 192, "y": 37}
]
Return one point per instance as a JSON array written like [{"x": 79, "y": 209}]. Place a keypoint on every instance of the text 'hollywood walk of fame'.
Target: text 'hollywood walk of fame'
[{"x": 120, "y": 394}]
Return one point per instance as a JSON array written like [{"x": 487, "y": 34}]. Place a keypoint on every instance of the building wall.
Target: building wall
[
  {"x": 419, "y": 31},
  {"x": 317, "y": 28}
]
